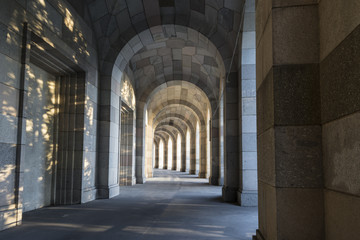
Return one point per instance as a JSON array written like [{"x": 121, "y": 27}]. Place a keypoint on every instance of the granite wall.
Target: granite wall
[
  {"x": 308, "y": 114},
  {"x": 31, "y": 31}
]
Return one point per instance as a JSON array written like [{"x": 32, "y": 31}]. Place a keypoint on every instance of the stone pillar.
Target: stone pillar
[
  {"x": 165, "y": 163},
  {"x": 157, "y": 154},
  {"x": 188, "y": 151},
  {"x": 140, "y": 143},
  {"x": 108, "y": 147},
  {"x": 214, "y": 161},
  {"x": 192, "y": 169},
  {"x": 340, "y": 115},
  {"x": 202, "y": 170},
  {"x": 183, "y": 154},
  {"x": 288, "y": 121},
  {"x": 221, "y": 167},
  {"x": 231, "y": 161},
  {"x": 174, "y": 152},
  {"x": 247, "y": 193}
]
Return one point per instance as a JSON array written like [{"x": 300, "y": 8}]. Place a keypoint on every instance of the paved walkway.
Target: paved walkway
[{"x": 170, "y": 206}]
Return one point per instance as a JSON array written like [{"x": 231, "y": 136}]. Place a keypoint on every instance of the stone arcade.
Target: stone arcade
[{"x": 259, "y": 97}]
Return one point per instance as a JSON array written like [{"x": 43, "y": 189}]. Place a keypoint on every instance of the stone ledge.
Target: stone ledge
[
  {"x": 108, "y": 192},
  {"x": 202, "y": 175},
  {"x": 213, "y": 181},
  {"x": 258, "y": 236},
  {"x": 247, "y": 199}
]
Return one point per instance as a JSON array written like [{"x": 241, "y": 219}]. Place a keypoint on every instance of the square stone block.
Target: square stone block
[
  {"x": 249, "y": 106},
  {"x": 298, "y": 157},
  {"x": 249, "y": 124},
  {"x": 295, "y": 36},
  {"x": 339, "y": 79},
  {"x": 248, "y": 40},
  {"x": 51, "y": 18},
  {"x": 300, "y": 213},
  {"x": 248, "y": 71},
  {"x": 266, "y": 157},
  {"x": 267, "y": 211},
  {"x": 296, "y": 94},
  {"x": 249, "y": 179},
  {"x": 248, "y": 56},
  {"x": 8, "y": 100},
  {"x": 341, "y": 217},
  {"x": 10, "y": 70},
  {"x": 8, "y": 129},
  {"x": 249, "y": 160},
  {"x": 334, "y": 28},
  {"x": 341, "y": 154},
  {"x": 248, "y": 88},
  {"x": 249, "y": 142},
  {"x": 263, "y": 11}
]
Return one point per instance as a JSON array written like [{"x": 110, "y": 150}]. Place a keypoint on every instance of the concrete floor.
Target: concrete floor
[{"x": 171, "y": 206}]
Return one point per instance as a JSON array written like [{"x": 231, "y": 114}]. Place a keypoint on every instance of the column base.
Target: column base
[
  {"x": 247, "y": 198},
  {"x": 229, "y": 194},
  {"x": 106, "y": 192},
  {"x": 213, "y": 181},
  {"x": 129, "y": 181},
  {"x": 192, "y": 172},
  {"x": 140, "y": 180},
  {"x": 88, "y": 194},
  {"x": 258, "y": 236},
  {"x": 202, "y": 175},
  {"x": 221, "y": 181},
  {"x": 182, "y": 170}
]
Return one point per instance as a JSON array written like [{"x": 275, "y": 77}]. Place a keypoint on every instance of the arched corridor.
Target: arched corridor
[
  {"x": 256, "y": 101},
  {"x": 172, "y": 205}
]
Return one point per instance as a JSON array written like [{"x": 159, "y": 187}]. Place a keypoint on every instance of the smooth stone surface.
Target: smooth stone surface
[
  {"x": 172, "y": 205},
  {"x": 341, "y": 154},
  {"x": 341, "y": 221},
  {"x": 265, "y": 104},
  {"x": 334, "y": 28},
  {"x": 248, "y": 199},
  {"x": 300, "y": 213},
  {"x": 267, "y": 211},
  {"x": 295, "y": 36},
  {"x": 266, "y": 157}
]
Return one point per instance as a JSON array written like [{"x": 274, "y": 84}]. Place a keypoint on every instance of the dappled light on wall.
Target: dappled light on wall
[
  {"x": 69, "y": 21},
  {"x": 127, "y": 91}
]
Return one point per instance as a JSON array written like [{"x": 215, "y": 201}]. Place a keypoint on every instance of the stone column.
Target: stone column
[
  {"x": 340, "y": 108},
  {"x": 247, "y": 193},
  {"x": 192, "y": 153},
  {"x": 291, "y": 204},
  {"x": 165, "y": 163},
  {"x": 108, "y": 147},
  {"x": 231, "y": 161},
  {"x": 202, "y": 170},
  {"x": 214, "y": 161},
  {"x": 183, "y": 154},
  {"x": 174, "y": 152},
  {"x": 156, "y": 155},
  {"x": 221, "y": 142},
  {"x": 140, "y": 143}
]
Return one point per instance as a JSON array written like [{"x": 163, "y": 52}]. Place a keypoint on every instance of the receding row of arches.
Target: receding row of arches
[
  {"x": 159, "y": 95},
  {"x": 171, "y": 150}
]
